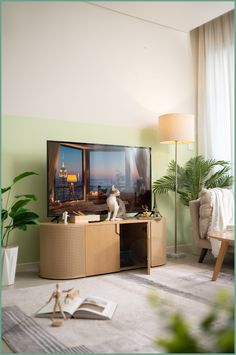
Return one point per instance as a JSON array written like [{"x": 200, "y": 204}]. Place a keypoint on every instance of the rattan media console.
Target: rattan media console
[{"x": 71, "y": 250}]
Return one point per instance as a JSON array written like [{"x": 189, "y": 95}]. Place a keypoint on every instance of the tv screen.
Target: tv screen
[{"x": 80, "y": 177}]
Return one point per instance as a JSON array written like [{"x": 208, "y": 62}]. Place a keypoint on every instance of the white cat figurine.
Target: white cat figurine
[{"x": 115, "y": 205}]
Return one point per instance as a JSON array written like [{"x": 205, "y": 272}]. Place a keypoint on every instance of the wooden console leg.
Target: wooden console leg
[
  {"x": 220, "y": 259},
  {"x": 202, "y": 255}
]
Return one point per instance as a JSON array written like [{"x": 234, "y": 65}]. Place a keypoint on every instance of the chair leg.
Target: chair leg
[{"x": 202, "y": 255}]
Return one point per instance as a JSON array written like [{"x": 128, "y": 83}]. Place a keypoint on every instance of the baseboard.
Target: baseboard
[
  {"x": 34, "y": 266},
  {"x": 23, "y": 267}
]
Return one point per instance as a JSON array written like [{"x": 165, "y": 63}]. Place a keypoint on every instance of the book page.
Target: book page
[
  {"x": 98, "y": 307},
  {"x": 94, "y": 305}
]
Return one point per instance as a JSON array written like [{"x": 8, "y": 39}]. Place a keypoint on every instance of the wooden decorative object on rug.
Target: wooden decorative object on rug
[
  {"x": 71, "y": 295},
  {"x": 57, "y": 295},
  {"x": 56, "y": 323}
]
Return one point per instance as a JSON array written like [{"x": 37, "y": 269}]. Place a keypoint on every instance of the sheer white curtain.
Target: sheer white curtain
[{"x": 216, "y": 88}]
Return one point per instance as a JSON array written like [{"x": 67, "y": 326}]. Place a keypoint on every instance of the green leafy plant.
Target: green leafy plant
[
  {"x": 16, "y": 215},
  {"x": 216, "y": 329},
  {"x": 193, "y": 176}
]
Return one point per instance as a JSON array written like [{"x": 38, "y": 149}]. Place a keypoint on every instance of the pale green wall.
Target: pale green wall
[{"x": 24, "y": 149}]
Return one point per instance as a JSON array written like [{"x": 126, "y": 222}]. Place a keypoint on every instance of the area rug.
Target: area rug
[
  {"x": 190, "y": 282},
  {"x": 23, "y": 335},
  {"x": 135, "y": 324}
]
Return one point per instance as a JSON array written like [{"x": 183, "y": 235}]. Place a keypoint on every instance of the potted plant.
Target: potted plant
[
  {"x": 193, "y": 176},
  {"x": 14, "y": 216}
]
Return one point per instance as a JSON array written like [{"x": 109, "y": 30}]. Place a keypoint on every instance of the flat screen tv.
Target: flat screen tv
[{"x": 80, "y": 176}]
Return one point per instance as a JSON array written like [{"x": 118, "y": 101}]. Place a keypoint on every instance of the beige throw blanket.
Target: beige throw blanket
[{"x": 222, "y": 203}]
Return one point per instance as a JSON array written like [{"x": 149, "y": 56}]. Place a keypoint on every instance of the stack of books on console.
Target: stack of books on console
[{"x": 85, "y": 218}]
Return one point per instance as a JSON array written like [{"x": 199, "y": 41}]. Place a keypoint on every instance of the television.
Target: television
[{"x": 80, "y": 177}]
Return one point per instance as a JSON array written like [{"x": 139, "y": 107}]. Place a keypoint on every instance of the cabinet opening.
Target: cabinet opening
[{"x": 133, "y": 245}]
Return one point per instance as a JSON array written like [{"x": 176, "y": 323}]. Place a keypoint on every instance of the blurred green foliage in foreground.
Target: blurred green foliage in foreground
[{"x": 215, "y": 332}]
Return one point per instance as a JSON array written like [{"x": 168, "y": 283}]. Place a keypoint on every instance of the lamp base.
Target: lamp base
[{"x": 176, "y": 255}]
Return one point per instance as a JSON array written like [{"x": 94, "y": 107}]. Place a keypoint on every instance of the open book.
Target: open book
[{"x": 90, "y": 308}]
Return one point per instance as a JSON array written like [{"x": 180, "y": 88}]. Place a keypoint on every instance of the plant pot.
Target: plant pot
[{"x": 9, "y": 261}]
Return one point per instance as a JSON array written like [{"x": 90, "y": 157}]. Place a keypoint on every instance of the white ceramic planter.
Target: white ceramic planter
[{"x": 9, "y": 261}]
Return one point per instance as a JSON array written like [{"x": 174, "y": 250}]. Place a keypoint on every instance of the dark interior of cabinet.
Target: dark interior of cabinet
[{"x": 133, "y": 245}]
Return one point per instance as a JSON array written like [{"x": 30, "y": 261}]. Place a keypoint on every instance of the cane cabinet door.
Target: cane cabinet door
[
  {"x": 102, "y": 249},
  {"x": 158, "y": 242},
  {"x": 62, "y": 251}
]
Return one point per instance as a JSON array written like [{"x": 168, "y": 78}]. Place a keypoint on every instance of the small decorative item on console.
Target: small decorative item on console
[
  {"x": 65, "y": 216},
  {"x": 79, "y": 217},
  {"x": 149, "y": 214}
]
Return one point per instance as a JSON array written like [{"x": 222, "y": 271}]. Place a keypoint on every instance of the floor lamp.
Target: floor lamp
[{"x": 176, "y": 128}]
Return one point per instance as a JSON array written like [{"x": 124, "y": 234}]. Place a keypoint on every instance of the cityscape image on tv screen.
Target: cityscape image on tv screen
[{"x": 80, "y": 177}]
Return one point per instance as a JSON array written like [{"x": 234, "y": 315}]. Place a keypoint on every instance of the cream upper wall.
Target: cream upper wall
[
  {"x": 77, "y": 62},
  {"x": 74, "y": 62}
]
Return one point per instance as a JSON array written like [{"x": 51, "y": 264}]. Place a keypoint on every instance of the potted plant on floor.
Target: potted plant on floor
[
  {"x": 14, "y": 216},
  {"x": 193, "y": 176}
]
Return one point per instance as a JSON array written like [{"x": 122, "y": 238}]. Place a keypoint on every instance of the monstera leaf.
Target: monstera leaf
[{"x": 17, "y": 216}]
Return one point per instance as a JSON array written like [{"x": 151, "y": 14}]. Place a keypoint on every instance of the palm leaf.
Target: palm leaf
[
  {"x": 164, "y": 184},
  {"x": 215, "y": 179},
  {"x": 171, "y": 167},
  {"x": 193, "y": 176},
  {"x": 223, "y": 182}
]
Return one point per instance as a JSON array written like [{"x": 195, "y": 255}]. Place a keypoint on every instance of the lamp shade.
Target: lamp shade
[
  {"x": 71, "y": 178},
  {"x": 176, "y": 127}
]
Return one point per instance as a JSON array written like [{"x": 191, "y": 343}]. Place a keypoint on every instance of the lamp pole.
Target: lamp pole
[
  {"x": 176, "y": 128},
  {"x": 176, "y": 254},
  {"x": 176, "y": 187}
]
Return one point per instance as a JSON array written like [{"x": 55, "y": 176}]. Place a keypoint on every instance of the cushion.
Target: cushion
[{"x": 205, "y": 212}]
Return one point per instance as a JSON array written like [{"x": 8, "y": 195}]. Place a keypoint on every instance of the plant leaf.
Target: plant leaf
[
  {"x": 23, "y": 226},
  {"x": 208, "y": 321},
  {"x": 18, "y": 205},
  {"x": 23, "y": 218},
  {"x": 195, "y": 174},
  {"x": 23, "y": 175},
  {"x": 30, "y": 196},
  {"x": 21, "y": 212},
  {"x": 4, "y": 215},
  {"x": 5, "y": 189},
  {"x": 164, "y": 184},
  {"x": 18, "y": 212}
]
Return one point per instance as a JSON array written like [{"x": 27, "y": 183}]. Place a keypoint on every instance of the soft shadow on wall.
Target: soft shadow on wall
[{"x": 162, "y": 154}]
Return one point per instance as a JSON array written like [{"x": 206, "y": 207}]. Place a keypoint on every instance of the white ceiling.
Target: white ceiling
[{"x": 180, "y": 15}]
